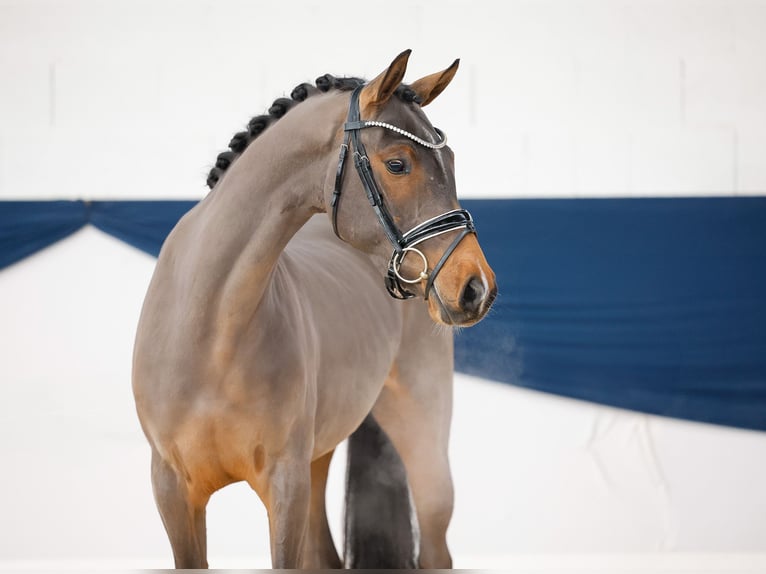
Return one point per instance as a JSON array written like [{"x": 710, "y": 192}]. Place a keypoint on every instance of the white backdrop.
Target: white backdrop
[
  {"x": 583, "y": 97},
  {"x": 134, "y": 99}
]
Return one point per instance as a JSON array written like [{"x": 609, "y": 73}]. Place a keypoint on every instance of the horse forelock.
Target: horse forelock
[{"x": 258, "y": 124}]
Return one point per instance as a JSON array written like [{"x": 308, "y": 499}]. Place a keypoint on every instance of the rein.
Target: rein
[{"x": 403, "y": 243}]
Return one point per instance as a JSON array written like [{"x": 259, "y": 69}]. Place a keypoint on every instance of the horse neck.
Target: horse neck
[{"x": 266, "y": 196}]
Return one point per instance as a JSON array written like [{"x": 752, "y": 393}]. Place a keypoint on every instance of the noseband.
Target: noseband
[{"x": 403, "y": 242}]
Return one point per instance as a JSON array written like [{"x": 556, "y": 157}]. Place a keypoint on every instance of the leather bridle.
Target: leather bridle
[{"x": 403, "y": 242}]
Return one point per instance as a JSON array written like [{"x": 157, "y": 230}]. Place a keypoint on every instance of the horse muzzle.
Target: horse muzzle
[{"x": 473, "y": 301}]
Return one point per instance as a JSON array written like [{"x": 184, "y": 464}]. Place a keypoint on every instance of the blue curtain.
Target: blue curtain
[
  {"x": 142, "y": 224},
  {"x": 28, "y": 226},
  {"x": 655, "y": 305}
]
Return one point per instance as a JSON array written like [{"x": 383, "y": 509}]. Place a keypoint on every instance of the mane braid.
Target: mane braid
[{"x": 257, "y": 125}]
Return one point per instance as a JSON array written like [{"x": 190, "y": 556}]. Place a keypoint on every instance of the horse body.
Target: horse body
[
  {"x": 264, "y": 342},
  {"x": 350, "y": 344}
]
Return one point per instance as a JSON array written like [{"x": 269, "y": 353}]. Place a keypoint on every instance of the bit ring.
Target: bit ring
[{"x": 398, "y": 258}]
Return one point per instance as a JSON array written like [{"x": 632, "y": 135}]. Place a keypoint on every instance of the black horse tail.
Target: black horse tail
[{"x": 379, "y": 529}]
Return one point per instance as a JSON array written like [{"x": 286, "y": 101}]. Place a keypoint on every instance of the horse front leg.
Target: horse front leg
[
  {"x": 287, "y": 503},
  {"x": 184, "y": 520},
  {"x": 319, "y": 550}
]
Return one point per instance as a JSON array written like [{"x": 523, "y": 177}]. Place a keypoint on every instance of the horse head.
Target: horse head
[{"x": 401, "y": 206}]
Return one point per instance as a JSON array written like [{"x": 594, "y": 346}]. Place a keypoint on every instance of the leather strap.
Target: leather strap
[
  {"x": 363, "y": 168},
  {"x": 338, "y": 185},
  {"x": 435, "y": 271}
]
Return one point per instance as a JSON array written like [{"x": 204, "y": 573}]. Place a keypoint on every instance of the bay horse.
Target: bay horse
[{"x": 267, "y": 336}]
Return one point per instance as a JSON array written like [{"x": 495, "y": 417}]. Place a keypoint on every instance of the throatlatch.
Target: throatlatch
[{"x": 403, "y": 242}]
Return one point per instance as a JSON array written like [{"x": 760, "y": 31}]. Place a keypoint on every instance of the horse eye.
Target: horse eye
[{"x": 396, "y": 166}]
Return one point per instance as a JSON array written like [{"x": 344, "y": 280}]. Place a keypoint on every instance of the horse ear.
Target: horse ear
[
  {"x": 378, "y": 91},
  {"x": 431, "y": 86}
]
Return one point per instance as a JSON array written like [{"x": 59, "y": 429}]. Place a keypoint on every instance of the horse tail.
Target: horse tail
[{"x": 379, "y": 531}]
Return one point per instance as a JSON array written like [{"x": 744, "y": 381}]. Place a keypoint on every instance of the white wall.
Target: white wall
[
  {"x": 554, "y": 98},
  {"x": 134, "y": 99}
]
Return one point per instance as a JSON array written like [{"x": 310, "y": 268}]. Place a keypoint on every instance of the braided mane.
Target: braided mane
[{"x": 257, "y": 125}]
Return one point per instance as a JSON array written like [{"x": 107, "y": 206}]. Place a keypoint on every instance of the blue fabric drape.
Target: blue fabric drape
[
  {"x": 656, "y": 305},
  {"x": 142, "y": 224},
  {"x": 29, "y": 226}
]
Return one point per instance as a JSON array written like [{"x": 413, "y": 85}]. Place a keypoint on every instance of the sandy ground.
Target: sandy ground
[{"x": 81, "y": 500}]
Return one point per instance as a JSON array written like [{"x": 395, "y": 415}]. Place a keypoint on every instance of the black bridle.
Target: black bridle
[{"x": 403, "y": 242}]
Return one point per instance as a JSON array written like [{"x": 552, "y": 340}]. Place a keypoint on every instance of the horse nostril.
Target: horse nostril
[{"x": 473, "y": 295}]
